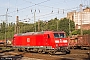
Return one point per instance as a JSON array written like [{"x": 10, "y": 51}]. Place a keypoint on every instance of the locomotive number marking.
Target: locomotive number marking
[{"x": 28, "y": 39}]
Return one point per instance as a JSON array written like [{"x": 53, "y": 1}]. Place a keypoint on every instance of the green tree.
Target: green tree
[
  {"x": 64, "y": 25},
  {"x": 3, "y": 27},
  {"x": 52, "y": 24},
  {"x": 77, "y": 32}
]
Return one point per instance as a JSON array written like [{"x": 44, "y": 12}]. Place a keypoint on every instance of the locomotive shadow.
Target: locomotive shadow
[{"x": 60, "y": 53}]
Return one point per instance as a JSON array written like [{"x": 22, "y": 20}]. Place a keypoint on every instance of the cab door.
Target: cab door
[{"x": 47, "y": 40}]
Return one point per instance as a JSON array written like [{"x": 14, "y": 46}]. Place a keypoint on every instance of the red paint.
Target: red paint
[{"x": 45, "y": 38}]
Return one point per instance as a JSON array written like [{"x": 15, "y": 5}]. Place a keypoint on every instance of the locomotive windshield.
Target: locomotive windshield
[{"x": 59, "y": 35}]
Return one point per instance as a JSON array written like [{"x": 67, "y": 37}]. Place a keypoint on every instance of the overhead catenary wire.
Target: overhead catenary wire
[
  {"x": 49, "y": 16},
  {"x": 54, "y": 7},
  {"x": 45, "y": 15},
  {"x": 41, "y": 16},
  {"x": 40, "y": 4},
  {"x": 30, "y": 6},
  {"x": 63, "y": 10},
  {"x": 37, "y": 4},
  {"x": 43, "y": 5}
]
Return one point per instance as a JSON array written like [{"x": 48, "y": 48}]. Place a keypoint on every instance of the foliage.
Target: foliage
[
  {"x": 75, "y": 32},
  {"x": 64, "y": 25},
  {"x": 53, "y": 24}
]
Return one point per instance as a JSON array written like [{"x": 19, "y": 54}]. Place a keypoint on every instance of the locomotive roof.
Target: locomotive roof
[
  {"x": 29, "y": 33},
  {"x": 35, "y": 33},
  {"x": 59, "y": 32}
]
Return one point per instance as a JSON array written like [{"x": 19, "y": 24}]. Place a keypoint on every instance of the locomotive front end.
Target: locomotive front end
[{"x": 61, "y": 43}]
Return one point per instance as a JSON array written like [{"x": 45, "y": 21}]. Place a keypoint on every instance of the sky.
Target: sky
[{"x": 34, "y": 10}]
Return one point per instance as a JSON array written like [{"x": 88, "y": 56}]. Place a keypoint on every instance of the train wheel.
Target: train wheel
[
  {"x": 20, "y": 50},
  {"x": 28, "y": 50},
  {"x": 40, "y": 52},
  {"x": 68, "y": 52}
]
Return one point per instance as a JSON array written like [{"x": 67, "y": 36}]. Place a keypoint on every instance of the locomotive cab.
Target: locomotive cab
[
  {"x": 61, "y": 42},
  {"x": 57, "y": 42}
]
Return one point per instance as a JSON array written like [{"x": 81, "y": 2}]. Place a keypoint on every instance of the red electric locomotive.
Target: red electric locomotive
[{"x": 42, "y": 42}]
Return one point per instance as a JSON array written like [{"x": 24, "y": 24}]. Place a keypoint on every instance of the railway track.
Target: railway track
[
  {"x": 9, "y": 54},
  {"x": 15, "y": 56}
]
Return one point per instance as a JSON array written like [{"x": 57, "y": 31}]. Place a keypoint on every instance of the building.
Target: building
[{"x": 80, "y": 18}]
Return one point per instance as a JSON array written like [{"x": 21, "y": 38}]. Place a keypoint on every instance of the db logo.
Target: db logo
[{"x": 28, "y": 39}]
